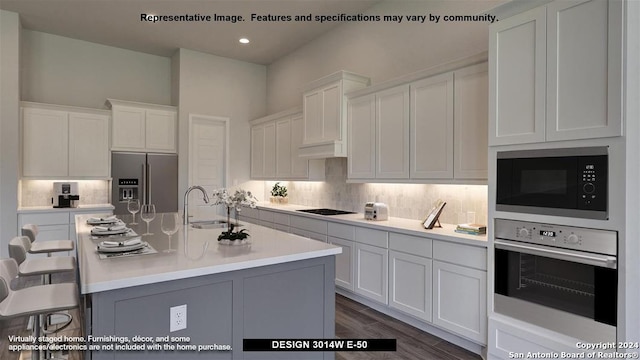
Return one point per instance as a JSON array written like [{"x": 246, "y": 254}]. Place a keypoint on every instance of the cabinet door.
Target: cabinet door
[
  {"x": 371, "y": 272},
  {"x": 270, "y": 150},
  {"x": 257, "y": 151},
  {"x": 332, "y": 112},
  {"x": 88, "y": 145},
  {"x": 283, "y": 148},
  {"x": 361, "y": 115},
  {"x": 160, "y": 130},
  {"x": 410, "y": 284},
  {"x": 470, "y": 122},
  {"x": 45, "y": 137},
  {"x": 392, "y": 133},
  {"x": 460, "y": 300},
  {"x": 517, "y": 59},
  {"x": 344, "y": 262},
  {"x": 312, "y": 117},
  {"x": 128, "y": 128},
  {"x": 431, "y": 127},
  {"x": 583, "y": 69},
  {"x": 299, "y": 165}
]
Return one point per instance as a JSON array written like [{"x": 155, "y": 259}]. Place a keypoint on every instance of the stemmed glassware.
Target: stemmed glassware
[
  {"x": 169, "y": 224},
  {"x": 133, "y": 205},
  {"x": 147, "y": 214}
]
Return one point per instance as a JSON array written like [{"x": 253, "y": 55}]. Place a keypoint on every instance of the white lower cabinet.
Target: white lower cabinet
[
  {"x": 344, "y": 262},
  {"x": 460, "y": 300},
  {"x": 371, "y": 272},
  {"x": 410, "y": 284}
]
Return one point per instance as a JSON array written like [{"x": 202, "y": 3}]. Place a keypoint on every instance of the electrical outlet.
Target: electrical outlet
[{"x": 177, "y": 318}]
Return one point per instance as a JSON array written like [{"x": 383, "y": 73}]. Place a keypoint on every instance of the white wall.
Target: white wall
[
  {"x": 217, "y": 86},
  {"x": 9, "y": 113},
  {"x": 381, "y": 51},
  {"x": 65, "y": 71}
]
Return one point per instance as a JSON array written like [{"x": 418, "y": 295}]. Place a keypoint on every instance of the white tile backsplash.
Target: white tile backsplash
[
  {"x": 410, "y": 201},
  {"x": 40, "y": 192}
]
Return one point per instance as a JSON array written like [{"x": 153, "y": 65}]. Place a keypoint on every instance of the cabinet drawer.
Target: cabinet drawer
[
  {"x": 342, "y": 231},
  {"x": 304, "y": 223},
  {"x": 265, "y": 215},
  {"x": 250, "y": 213},
  {"x": 61, "y": 218},
  {"x": 282, "y": 219},
  {"x": 372, "y": 237},
  {"x": 309, "y": 234},
  {"x": 470, "y": 256},
  {"x": 410, "y": 244}
]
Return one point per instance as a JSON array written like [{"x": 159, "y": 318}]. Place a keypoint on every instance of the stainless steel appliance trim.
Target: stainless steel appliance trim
[
  {"x": 144, "y": 184},
  {"x": 585, "y": 214},
  {"x": 563, "y": 254},
  {"x": 563, "y": 322},
  {"x": 537, "y": 153},
  {"x": 149, "y": 177}
]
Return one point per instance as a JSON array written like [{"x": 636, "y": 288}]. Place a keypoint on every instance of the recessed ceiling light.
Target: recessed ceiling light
[{"x": 244, "y": 40}]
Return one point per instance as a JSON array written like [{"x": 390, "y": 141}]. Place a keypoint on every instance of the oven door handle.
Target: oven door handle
[{"x": 568, "y": 255}]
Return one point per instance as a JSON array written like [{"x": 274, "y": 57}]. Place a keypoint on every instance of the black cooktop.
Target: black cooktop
[{"x": 327, "y": 212}]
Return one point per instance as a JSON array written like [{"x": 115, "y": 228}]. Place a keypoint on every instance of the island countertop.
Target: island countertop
[{"x": 197, "y": 253}]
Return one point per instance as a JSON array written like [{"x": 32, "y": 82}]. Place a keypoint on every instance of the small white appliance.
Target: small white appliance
[
  {"x": 65, "y": 195},
  {"x": 376, "y": 211}
]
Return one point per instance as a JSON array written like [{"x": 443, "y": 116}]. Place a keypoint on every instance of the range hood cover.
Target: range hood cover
[{"x": 323, "y": 150}]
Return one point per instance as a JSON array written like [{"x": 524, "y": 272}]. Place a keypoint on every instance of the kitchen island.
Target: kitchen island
[{"x": 278, "y": 286}]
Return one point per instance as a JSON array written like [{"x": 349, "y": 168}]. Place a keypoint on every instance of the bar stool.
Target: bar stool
[
  {"x": 44, "y": 247},
  {"x": 33, "y": 301},
  {"x": 18, "y": 247}
]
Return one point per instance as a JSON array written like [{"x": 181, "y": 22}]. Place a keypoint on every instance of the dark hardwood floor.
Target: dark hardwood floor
[
  {"x": 357, "y": 321},
  {"x": 353, "y": 321}
]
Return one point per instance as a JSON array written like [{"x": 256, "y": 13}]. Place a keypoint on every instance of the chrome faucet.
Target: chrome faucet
[{"x": 185, "y": 210}]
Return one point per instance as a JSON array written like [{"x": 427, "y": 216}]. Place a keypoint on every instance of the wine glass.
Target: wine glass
[
  {"x": 133, "y": 205},
  {"x": 169, "y": 224},
  {"x": 147, "y": 214}
]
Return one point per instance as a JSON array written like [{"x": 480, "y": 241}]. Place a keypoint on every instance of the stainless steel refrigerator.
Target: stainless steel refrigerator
[{"x": 151, "y": 178}]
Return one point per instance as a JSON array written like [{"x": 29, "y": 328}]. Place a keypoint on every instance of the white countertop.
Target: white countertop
[
  {"x": 399, "y": 225},
  {"x": 268, "y": 247},
  {"x": 83, "y": 208}
]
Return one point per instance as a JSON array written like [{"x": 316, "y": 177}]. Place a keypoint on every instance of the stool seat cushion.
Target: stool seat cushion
[
  {"x": 39, "y": 247},
  {"x": 40, "y": 299},
  {"x": 50, "y": 265}
]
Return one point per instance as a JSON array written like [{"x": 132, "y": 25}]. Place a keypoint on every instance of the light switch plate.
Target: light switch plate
[{"x": 177, "y": 318}]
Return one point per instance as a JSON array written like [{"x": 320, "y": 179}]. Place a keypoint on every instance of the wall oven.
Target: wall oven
[
  {"x": 558, "y": 277},
  {"x": 560, "y": 182}
]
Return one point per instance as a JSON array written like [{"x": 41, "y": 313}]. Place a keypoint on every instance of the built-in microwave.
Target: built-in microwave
[{"x": 560, "y": 182}]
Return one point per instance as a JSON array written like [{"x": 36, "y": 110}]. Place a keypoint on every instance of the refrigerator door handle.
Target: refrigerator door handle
[
  {"x": 149, "y": 185},
  {"x": 144, "y": 184}
]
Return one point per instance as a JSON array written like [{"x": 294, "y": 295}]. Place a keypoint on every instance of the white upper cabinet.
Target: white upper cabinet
[
  {"x": 470, "y": 122},
  {"x": 407, "y": 131},
  {"x": 325, "y": 114},
  {"x": 143, "y": 127},
  {"x": 64, "y": 142},
  {"x": 432, "y": 128},
  {"x": 88, "y": 145},
  {"x": 361, "y": 163},
  {"x": 275, "y": 142},
  {"x": 556, "y": 73},
  {"x": 392, "y": 133}
]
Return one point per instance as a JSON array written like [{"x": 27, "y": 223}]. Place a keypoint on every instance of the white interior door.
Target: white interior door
[{"x": 208, "y": 158}]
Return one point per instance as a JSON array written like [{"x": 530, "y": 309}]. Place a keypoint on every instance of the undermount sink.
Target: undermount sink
[{"x": 210, "y": 224}]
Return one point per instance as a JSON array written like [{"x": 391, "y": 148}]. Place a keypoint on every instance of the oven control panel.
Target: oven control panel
[
  {"x": 569, "y": 237},
  {"x": 592, "y": 183}
]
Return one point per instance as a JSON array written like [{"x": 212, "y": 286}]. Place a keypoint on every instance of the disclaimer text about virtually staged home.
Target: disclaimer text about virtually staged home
[
  {"x": 421, "y": 18},
  {"x": 183, "y": 343}
]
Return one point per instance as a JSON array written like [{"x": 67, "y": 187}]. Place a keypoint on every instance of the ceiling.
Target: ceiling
[{"x": 117, "y": 23}]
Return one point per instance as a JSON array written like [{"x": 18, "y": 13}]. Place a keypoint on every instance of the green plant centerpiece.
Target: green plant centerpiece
[
  {"x": 279, "y": 193},
  {"x": 236, "y": 201}
]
